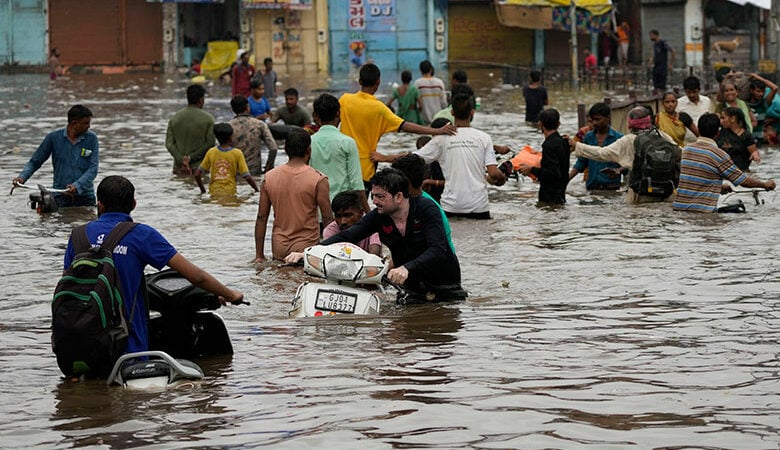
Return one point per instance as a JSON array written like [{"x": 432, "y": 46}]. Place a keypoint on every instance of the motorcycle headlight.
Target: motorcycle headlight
[
  {"x": 341, "y": 269},
  {"x": 314, "y": 262}
]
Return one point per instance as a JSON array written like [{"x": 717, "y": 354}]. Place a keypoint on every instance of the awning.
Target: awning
[
  {"x": 763, "y": 4},
  {"x": 595, "y": 7}
]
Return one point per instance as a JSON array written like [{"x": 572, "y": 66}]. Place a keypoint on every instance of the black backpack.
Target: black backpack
[
  {"x": 89, "y": 331},
  {"x": 656, "y": 168}
]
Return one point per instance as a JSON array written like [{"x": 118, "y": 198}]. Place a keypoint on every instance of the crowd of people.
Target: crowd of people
[{"x": 322, "y": 193}]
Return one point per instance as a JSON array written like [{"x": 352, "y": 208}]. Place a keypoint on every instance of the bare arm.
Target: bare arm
[
  {"x": 410, "y": 127},
  {"x": 203, "y": 279},
  {"x": 261, "y": 223},
  {"x": 199, "y": 179},
  {"x": 495, "y": 176},
  {"x": 751, "y": 182},
  {"x": 251, "y": 182},
  {"x": 323, "y": 201}
]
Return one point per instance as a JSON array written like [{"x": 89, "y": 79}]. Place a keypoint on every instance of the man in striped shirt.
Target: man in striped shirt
[{"x": 704, "y": 166}]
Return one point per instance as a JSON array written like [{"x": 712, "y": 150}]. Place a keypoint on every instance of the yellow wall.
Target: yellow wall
[
  {"x": 476, "y": 35},
  {"x": 293, "y": 47}
]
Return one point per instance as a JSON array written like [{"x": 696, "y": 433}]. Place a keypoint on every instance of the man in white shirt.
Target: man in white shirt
[
  {"x": 693, "y": 104},
  {"x": 463, "y": 159}
]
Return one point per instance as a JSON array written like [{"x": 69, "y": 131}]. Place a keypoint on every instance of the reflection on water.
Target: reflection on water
[{"x": 597, "y": 325}]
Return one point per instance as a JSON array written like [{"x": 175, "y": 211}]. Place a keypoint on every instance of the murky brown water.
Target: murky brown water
[{"x": 599, "y": 325}]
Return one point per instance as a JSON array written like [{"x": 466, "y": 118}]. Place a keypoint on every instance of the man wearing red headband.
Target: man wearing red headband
[{"x": 622, "y": 151}]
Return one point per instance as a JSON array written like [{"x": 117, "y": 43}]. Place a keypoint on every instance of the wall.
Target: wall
[
  {"x": 669, "y": 20},
  {"x": 395, "y": 38},
  {"x": 287, "y": 36},
  {"x": 23, "y": 32},
  {"x": 476, "y": 35}
]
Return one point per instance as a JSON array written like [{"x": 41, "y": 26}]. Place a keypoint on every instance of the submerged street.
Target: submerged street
[{"x": 598, "y": 325}]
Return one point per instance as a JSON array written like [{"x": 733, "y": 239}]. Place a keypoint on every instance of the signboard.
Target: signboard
[{"x": 276, "y": 4}]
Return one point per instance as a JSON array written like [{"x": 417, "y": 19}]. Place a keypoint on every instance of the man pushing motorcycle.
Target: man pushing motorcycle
[{"x": 411, "y": 227}]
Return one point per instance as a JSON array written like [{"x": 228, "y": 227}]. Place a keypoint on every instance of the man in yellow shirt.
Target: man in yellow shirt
[{"x": 365, "y": 119}]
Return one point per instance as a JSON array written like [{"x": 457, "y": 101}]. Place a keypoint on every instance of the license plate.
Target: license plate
[{"x": 336, "y": 301}]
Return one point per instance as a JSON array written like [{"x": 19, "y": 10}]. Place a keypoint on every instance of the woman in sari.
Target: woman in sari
[
  {"x": 408, "y": 97},
  {"x": 673, "y": 123}
]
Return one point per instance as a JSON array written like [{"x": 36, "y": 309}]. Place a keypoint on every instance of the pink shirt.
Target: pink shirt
[{"x": 333, "y": 229}]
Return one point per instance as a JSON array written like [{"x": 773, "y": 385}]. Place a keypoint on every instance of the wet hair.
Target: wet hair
[
  {"x": 422, "y": 140},
  {"x": 709, "y": 125},
  {"x": 77, "y": 112},
  {"x": 223, "y": 131},
  {"x": 757, "y": 84},
  {"x": 639, "y": 111},
  {"x": 239, "y": 104},
  {"x": 691, "y": 84},
  {"x": 195, "y": 93},
  {"x": 462, "y": 88},
  {"x": 369, "y": 75},
  {"x": 255, "y": 84},
  {"x": 326, "y": 107},
  {"x": 599, "y": 109},
  {"x": 460, "y": 76},
  {"x": 117, "y": 194},
  {"x": 413, "y": 166},
  {"x": 733, "y": 111},
  {"x": 392, "y": 180},
  {"x": 668, "y": 93},
  {"x": 297, "y": 143},
  {"x": 655, "y": 32},
  {"x": 406, "y": 76},
  {"x": 291, "y": 92},
  {"x": 267, "y": 60},
  {"x": 685, "y": 118},
  {"x": 426, "y": 67},
  {"x": 439, "y": 122},
  {"x": 462, "y": 105},
  {"x": 721, "y": 73},
  {"x": 550, "y": 119},
  {"x": 535, "y": 76},
  {"x": 345, "y": 200}
]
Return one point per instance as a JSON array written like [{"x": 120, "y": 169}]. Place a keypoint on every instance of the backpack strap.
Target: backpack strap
[
  {"x": 79, "y": 239},
  {"x": 119, "y": 231}
]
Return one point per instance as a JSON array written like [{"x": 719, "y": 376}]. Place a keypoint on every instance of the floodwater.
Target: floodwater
[{"x": 598, "y": 325}]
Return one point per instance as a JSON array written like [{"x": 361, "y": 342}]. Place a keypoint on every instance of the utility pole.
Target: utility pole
[
  {"x": 575, "y": 84},
  {"x": 774, "y": 32}
]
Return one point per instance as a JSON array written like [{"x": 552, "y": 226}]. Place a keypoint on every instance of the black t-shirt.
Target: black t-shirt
[
  {"x": 660, "y": 54},
  {"x": 424, "y": 249},
  {"x": 535, "y": 99},
  {"x": 554, "y": 173},
  {"x": 736, "y": 146}
]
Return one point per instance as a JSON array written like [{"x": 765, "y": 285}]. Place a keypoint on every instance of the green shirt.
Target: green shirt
[
  {"x": 445, "y": 221},
  {"x": 190, "y": 132},
  {"x": 336, "y": 155}
]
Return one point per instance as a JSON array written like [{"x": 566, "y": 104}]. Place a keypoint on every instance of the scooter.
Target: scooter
[
  {"x": 42, "y": 199},
  {"x": 347, "y": 269},
  {"x": 183, "y": 325}
]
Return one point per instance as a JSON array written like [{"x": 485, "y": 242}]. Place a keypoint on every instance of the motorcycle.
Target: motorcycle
[
  {"x": 183, "y": 325},
  {"x": 347, "y": 269},
  {"x": 42, "y": 199}
]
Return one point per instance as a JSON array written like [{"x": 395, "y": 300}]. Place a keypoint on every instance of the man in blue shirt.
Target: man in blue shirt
[
  {"x": 74, "y": 157},
  {"x": 601, "y": 175},
  {"x": 141, "y": 246}
]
